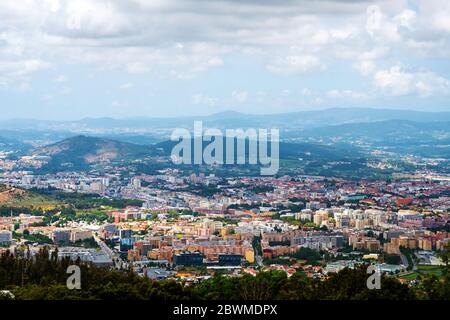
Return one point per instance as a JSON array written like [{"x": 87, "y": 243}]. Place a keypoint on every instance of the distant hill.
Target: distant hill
[
  {"x": 389, "y": 131},
  {"x": 8, "y": 144},
  {"x": 297, "y": 120},
  {"x": 29, "y": 136},
  {"x": 232, "y": 119},
  {"x": 289, "y": 151},
  {"x": 321, "y": 118},
  {"x": 80, "y": 152},
  {"x": 425, "y": 139}
]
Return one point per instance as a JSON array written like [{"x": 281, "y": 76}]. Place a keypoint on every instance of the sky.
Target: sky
[{"x": 71, "y": 59}]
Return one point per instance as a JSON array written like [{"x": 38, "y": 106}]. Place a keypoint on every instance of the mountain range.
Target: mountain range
[
  {"x": 83, "y": 152},
  {"x": 230, "y": 119},
  {"x": 333, "y": 134},
  {"x": 391, "y": 131}
]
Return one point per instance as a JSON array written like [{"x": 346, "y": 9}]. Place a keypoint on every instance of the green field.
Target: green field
[
  {"x": 423, "y": 270},
  {"x": 33, "y": 202}
]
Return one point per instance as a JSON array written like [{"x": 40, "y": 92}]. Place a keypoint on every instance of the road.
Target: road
[
  {"x": 118, "y": 262},
  {"x": 404, "y": 260},
  {"x": 258, "y": 259},
  {"x": 406, "y": 264}
]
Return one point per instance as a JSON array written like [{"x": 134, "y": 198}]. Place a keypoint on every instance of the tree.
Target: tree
[
  {"x": 445, "y": 257},
  {"x": 44, "y": 276}
]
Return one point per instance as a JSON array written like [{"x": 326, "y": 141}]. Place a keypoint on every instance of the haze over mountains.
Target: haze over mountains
[
  {"x": 8, "y": 144},
  {"x": 83, "y": 152},
  {"x": 397, "y": 131},
  {"x": 231, "y": 119},
  {"x": 333, "y": 134}
]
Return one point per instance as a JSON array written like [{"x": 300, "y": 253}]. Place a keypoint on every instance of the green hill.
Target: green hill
[{"x": 81, "y": 152}]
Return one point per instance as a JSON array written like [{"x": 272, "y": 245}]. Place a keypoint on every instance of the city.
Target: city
[
  {"x": 315, "y": 225},
  {"x": 225, "y": 158}
]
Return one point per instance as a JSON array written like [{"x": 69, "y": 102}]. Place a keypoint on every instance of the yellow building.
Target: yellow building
[
  {"x": 133, "y": 255},
  {"x": 371, "y": 256},
  {"x": 391, "y": 248},
  {"x": 425, "y": 244},
  {"x": 250, "y": 255}
]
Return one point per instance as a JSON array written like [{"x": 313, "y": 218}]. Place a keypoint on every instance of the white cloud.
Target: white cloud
[
  {"x": 365, "y": 67},
  {"x": 13, "y": 71},
  {"x": 139, "y": 35},
  {"x": 119, "y": 104},
  {"x": 24, "y": 87},
  {"x": 306, "y": 92},
  {"x": 126, "y": 86},
  {"x": 347, "y": 94},
  {"x": 286, "y": 92},
  {"x": 21, "y": 68},
  {"x": 239, "y": 96},
  {"x": 65, "y": 91},
  {"x": 424, "y": 28},
  {"x": 200, "y": 99},
  {"x": 435, "y": 15},
  {"x": 406, "y": 19},
  {"x": 48, "y": 98},
  {"x": 261, "y": 96},
  {"x": 137, "y": 67},
  {"x": 296, "y": 64},
  {"x": 367, "y": 60},
  {"x": 61, "y": 79},
  {"x": 397, "y": 82},
  {"x": 169, "y": 37},
  {"x": 87, "y": 19},
  {"x": 378, "y": 25},
  {"x": 317, "y": 100}
]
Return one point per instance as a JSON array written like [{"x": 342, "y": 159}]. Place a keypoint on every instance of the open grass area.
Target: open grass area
[
  {"x": 423, "y": 270},
  {"x": 410, "y": 276},
  {"x": 33, "y": 202},
  {"x": 17, "y": 197}
]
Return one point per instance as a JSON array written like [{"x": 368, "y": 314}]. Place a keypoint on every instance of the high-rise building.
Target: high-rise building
[
  {"x": 61, "y": 236},
  {"x": 125, "y": 234},
  {"x": 230, "y": 259},
  {"x": 5, "y": 237},
  {"x": 136, "y": 183},
  {"x": 188, "y": 259},
  {"x": 80, "y": 235}
]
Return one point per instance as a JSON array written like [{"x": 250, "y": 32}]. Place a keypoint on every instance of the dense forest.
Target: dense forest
[{"x": 44, "y": 277}]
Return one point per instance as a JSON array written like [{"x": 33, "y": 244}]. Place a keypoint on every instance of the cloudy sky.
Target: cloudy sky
[{"x": 69, "y": 59}]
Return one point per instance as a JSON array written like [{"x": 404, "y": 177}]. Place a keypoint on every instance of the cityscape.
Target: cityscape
[{"x": 318, "y": 193}]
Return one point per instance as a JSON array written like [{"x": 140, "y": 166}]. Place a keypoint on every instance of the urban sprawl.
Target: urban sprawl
[{"x": 190, "y": 227}]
